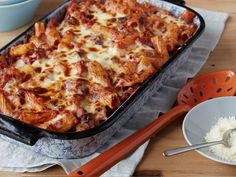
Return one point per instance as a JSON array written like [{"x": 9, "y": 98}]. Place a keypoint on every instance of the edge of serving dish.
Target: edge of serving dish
[{"x": 29, "y": 134}]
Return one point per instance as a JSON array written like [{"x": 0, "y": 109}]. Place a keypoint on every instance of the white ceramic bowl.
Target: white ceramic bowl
[
  {"x": 16, "y": 15},
  {"x": 202, "y": 117}
]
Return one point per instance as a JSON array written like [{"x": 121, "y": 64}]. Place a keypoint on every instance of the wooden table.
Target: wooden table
[{"x": 154, "y": 164}]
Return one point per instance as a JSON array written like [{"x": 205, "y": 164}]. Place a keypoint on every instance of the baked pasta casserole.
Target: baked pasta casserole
[{"x": 71, "y": 74}]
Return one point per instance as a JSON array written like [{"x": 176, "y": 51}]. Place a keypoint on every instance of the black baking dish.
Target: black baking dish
[{"x": 78, "y": 144}]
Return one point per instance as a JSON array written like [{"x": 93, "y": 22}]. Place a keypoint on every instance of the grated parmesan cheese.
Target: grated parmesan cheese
[{"x": 216, "y": 134}]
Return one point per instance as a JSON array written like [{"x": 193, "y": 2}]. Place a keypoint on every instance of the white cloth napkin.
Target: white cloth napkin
[{"x": 17, "y": 159}]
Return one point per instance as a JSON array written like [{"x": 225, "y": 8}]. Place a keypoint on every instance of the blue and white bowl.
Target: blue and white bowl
[
  {"x": 9, "y": 2},
  {"x": 16, "y": 15}
]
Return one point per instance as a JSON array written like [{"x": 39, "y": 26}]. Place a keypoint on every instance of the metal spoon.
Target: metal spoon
[{"x": 225, "y": 140}]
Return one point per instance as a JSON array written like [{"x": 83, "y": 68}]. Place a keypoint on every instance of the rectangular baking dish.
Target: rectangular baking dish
[{"x": 80, "y": 144}]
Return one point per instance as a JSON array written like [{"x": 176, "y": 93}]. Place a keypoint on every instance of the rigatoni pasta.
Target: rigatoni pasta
[{"x": 71, "y": 75}]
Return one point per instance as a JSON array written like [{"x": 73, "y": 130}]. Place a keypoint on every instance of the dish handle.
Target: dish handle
[
  {"x": 19, "y": 131},
  {"x": 179, "y": 2}
]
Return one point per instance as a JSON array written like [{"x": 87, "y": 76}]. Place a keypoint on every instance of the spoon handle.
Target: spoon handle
[{"x": 190, "y": 148}]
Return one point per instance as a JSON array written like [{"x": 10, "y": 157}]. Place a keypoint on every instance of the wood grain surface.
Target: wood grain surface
[{"x": 154, "y": 164}]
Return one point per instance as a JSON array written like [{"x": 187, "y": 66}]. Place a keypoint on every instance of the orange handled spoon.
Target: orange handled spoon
[{"x": 212, "y": 85}]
